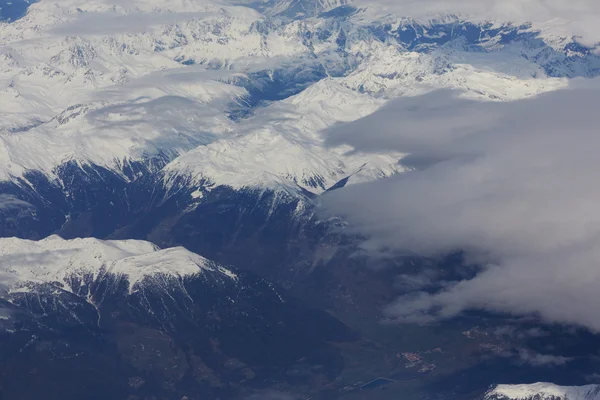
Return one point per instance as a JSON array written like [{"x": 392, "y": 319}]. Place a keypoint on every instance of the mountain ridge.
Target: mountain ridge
[
  {"x": 199, "y": 63},
  {"x": 543, "y": 391}
]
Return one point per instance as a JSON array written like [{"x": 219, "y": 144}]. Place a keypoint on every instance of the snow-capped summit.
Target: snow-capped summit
[
  {"x": 284, "y": 140},
  {"x": 296, "y": 9},
  {"x": 130, "y": 317},
  {"x": 65, "y": 264},
  {"x": 543, "y": 391}
]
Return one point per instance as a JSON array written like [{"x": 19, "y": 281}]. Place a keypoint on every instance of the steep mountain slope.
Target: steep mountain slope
[
  {"x": 72, "y": 264},
  {"x": 146, "y": 321},
  {"x": 204, "y": 124}
]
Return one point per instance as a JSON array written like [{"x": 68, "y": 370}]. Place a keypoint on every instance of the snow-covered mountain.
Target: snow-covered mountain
[
  {"x": 543, "y": 391},
  {"x": 76, "y": 265},
  {"x": 295, "y": 9},
  {"x": 121, "y": 118},
  {"x": 76, "y": 92},
  {"x": 240, "y": 95},
  {"x": 146, "y": 322},
  {"x": 203, "y": 124}
]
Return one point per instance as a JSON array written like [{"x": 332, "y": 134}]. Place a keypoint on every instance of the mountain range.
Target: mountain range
[{"x": 161, "y": 167}]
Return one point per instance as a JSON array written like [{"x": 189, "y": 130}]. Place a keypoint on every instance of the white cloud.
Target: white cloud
[
  {"x": 102, "y": 23},
  {"x": 541, "y": 360},
  {"x": 515, "y": 185}
]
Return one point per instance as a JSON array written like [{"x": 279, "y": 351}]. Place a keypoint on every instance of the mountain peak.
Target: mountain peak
[
  {"x": 544, "y": 391},
  {"x": 56, "y": 261}
]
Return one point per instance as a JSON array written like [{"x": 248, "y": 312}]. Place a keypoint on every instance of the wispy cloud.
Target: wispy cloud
[
  {"x": 541, "y": 360},
  {"x": 103, "y": 23}
]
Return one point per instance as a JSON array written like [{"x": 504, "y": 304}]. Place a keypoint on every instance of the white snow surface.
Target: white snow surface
[
  {"x": 103, "y": 82},
  {"x": 543, "y": 390},
  {"x": 54, "y": 259}
]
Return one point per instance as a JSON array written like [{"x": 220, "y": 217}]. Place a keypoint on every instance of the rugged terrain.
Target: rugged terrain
[{"x": 201, "y": 128}]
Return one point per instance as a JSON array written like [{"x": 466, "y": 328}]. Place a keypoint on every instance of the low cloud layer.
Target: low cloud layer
[
  {"x": 95, "y": 23},
  {"x": 514, "y": 185}
]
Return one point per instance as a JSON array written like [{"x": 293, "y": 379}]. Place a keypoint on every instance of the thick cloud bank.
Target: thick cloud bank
[{"x": 516, "y": 185}]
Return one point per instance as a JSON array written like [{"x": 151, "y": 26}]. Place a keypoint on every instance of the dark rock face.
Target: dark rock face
[
  {"x": 12, "y": 10},
  {"x": 200, "y": 337},
  {"x": 257, "y": 229},
  {"x": 203, "y": 337},
  {"x": 211, "y": 337}
]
